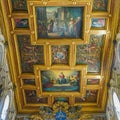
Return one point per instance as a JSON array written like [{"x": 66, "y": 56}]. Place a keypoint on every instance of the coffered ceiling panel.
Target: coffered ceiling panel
[{"x": 59, "y": 51}]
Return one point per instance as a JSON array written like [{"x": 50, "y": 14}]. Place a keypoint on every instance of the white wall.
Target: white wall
[
  {"x": 5, "y": 82},
  {"x": 112, "y": 112}
]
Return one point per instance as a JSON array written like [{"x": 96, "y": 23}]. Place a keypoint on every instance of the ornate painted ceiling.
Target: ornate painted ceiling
[{"x": 59, "y": 51}]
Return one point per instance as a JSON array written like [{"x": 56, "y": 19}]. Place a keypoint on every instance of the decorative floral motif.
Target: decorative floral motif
[
  {"x": 60, "y": 115},
  {"x": 29, "y": 54},
  {"x": 60, "y": 54},
  {"x": 59, "y": 111},
  {"x": 91, "y": 53},
  {"x": 60, "y": 106}
]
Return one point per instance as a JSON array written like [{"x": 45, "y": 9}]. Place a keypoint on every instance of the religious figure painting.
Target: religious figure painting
[
  {"x": 29, "y": 54},
  {"x": 98, "y": 22},
  {"x": 60, "y": 80},
  {"x": 91, "y": 54},
  {"x": 60, "y": 54},
  {"x": 19, "y": 5},
  {"x": 32, "y": 98},
  {"x": 100, "y": 5},
  {"x": 90, "y": 97},
  {"x": 95, "y": 53},
  {"x": 21, "y": 23},
  {"x": 59, "y": 22}
]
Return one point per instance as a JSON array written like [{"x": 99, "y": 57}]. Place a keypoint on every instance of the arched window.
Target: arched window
[
  {"x": 1, "y": 54},
  {"x": 5, "y": 108},
  {"x": 116, "y": 102},
  {"x": 118, "y": 50}
]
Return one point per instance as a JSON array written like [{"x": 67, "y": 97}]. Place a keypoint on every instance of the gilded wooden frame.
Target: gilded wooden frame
[
  {"x": 82, "y": 71},
  {"x": 31, "y": 10},
  {"x": 21, "y": 21},
  {"x": 100, "y": 23},
  {"x": 17, "y": 75}
]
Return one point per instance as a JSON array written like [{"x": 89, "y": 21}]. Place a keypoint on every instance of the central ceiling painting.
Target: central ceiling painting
[{"x": 59, "y": 22}]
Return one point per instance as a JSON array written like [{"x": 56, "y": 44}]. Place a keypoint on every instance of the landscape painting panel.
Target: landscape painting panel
[
  {"x": 60, "y": 54},
  {"x": 60, "y": 80},
  {"x": 59, "y": 22}
]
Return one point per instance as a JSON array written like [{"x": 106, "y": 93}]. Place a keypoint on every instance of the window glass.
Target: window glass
[
  {"x": 5, "y": 108},
  {"x": 116, "y": 104},
  {"x": 1, "y": 54}
]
